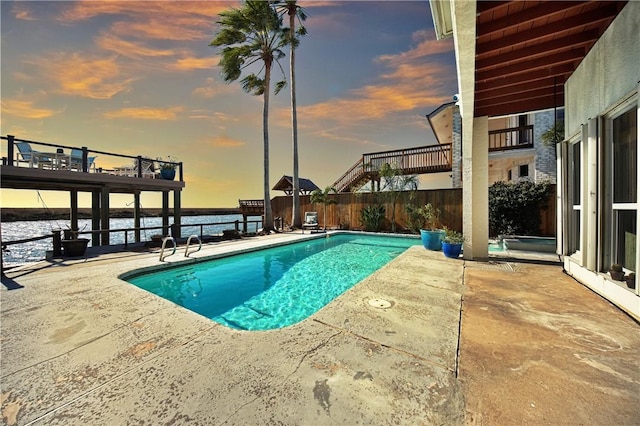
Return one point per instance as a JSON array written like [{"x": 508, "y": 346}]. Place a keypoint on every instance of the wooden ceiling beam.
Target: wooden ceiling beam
[
  {"x": 605, "y": 13},
  {"x": 529, "y": 52},
  {"x": 527, "y": 86},
  {"x": 511, "y": 80},
  {"x": 518, "y": 106},
  {"x": 486, "y": 102},
  {"x": 487, "y": 6},
  {"x": 571, "y": 56},
  {"x": 541, "y": 11}
]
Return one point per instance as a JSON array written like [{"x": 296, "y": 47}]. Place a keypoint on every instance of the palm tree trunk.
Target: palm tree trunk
[
  {"x": 296, "y": 220},
  {"x": 268, "y": 215}
]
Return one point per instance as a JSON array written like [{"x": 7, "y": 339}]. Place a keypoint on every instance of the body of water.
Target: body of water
[
  {"x": 36, "y": 250},
  {"x": 278, "y": 286}
]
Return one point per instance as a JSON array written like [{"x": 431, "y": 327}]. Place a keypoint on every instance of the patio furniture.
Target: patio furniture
[
  {"x": 310, "y": 221},
  {"x": 27, "y": 155},
  {"x": 76, "y": 161}
]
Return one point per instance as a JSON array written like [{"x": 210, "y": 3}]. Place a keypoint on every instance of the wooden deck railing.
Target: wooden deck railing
[
  {"x": 11, "y": 157},
  {"x": 511, "y": 138},
  {"x": 424, "y": 159}
]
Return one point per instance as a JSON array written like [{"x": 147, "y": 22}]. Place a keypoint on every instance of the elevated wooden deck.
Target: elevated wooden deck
[
  {"x": 412, "y": 161},
  {"x": 35, "y": 165},
  {"x": 15, "y": 177}
]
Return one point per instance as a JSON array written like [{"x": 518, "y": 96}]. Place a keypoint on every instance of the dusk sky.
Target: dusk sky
[{"x": 139, "y": 78}]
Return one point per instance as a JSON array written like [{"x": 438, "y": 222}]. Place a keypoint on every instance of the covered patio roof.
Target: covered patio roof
[{"x": 526, "y": 50}]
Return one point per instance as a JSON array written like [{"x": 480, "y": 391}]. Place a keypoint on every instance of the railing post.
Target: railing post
[
  {"x": 181, "y": 172},
  {"x": 139, "y": 165},
  {"x": 10, "y": 142},
  {"x": 57, "y": 243},
  {"x": 85, "y": 159},
  {"x": 237, "y": 225}
]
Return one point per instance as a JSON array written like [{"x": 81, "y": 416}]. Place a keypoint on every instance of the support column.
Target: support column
[
  {"x": 475, "y": 191},
  {"x": 95, "y": 218},
  {"x": 74, "y": 210},
  {"x": 177, "y": 214},
  {"x": 136, "y": 216},
  {"x": 165, "y": 213},
  {"x": 104, "y": 217}
]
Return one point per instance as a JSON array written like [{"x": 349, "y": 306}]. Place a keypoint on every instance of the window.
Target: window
[
  {"x": 509, "y": 175},
  {"x": 621, "y": 184},
  {"x": 575, "y": 196},
  {"x": 524, "y": 170},
  {"x": 524, "y": 137}
]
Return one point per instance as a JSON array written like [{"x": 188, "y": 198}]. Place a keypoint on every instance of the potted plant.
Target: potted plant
[
  {"x": 167, "y": 169},
  {"x": 616, "y": 272},
  {"x": 72, "y": 245},
  {"x": 630, "y": 280},
  {"x": 431, "y": 236},
  {"x": 452, "y": 243}
]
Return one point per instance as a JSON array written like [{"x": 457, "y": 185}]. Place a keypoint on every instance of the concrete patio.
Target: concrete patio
[{"x": 80, "y": 346}]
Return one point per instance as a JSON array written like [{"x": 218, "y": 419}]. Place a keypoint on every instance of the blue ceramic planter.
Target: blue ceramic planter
[
  {"x": 452, "y": 250},
  {"x": 168, "y": 174},
  {"x": 431, "y": 239}
]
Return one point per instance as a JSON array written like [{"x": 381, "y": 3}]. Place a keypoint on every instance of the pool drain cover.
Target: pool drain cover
[{"x": 380, "y": 303}]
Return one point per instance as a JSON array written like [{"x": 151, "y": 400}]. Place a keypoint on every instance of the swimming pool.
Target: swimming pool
[{"x": 278, "y": 286}]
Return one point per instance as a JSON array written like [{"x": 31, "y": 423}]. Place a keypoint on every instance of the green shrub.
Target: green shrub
[
  {"x": 371, "y": 217},
  {"x": 514, "y": 207},
  {"x": 415, "y": 219}
]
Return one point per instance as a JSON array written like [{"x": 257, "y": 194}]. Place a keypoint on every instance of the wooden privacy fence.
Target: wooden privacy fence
[{"x": 345, "y": 214}]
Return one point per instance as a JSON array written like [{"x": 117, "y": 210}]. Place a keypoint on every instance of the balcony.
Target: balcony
[{"x": 512, "y": 138}]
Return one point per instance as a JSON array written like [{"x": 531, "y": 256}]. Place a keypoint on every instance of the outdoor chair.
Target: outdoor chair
[
  {"x": 76, "y": 160},
  {"x": 310, "y": 221},
  {"x": 27, "y": 155},
  {"x": 147, "y": 169}
]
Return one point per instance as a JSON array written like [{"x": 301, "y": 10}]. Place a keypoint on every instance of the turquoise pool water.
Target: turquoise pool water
[{"x": 274, "y": 287}]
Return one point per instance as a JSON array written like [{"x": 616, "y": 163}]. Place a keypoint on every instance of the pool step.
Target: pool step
[{"x": 246, "y": 316}]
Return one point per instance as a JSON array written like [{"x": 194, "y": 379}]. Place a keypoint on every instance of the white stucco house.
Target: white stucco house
[{"x": 519, "y": 56}]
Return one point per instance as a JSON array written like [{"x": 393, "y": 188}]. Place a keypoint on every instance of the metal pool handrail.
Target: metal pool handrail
[
  {"x": 164, "y": 243},
  {"x": 186, "y": 249}
]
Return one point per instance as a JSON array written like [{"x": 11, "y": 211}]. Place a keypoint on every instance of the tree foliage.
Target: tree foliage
[
  {"x": 371, "y": 217},
  {"x": 553, "y": 135},
  {"x": 322, "y": 197},
  {"x": 514, "y": 207},
  {"x": 396, "y": 187}
]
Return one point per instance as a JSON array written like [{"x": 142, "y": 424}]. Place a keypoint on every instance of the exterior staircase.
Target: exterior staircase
[{"x": 412, "y": 161}]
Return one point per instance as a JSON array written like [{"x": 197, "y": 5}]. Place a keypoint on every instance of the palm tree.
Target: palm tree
[
  {"x": 291, "y": 36},
  {"x": 251, "y": 34},
  {"x": 322, "y": 197}
]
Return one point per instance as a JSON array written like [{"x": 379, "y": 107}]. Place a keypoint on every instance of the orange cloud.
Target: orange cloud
[
  {"x": 188, "y": 64},
  {"x": 226, "y": 142},
  {"x": 76, "y": 74},
  {"x": 193, "y": 19},
  {"x": 145, "y": 113},
  {"x": 22, "y": 13},
  {"x": 129, "y": 49},
  {"x": 25, "y": 109},
  {"x": 212, "y": 89},
  {"x": 426, "y": 47},
  {"x": 414, "y": 80}
]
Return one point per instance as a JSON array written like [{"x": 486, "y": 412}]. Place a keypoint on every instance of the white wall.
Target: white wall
[
  {"x": 607, "y": 76},
  {"x": 609, "y": 71}
]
